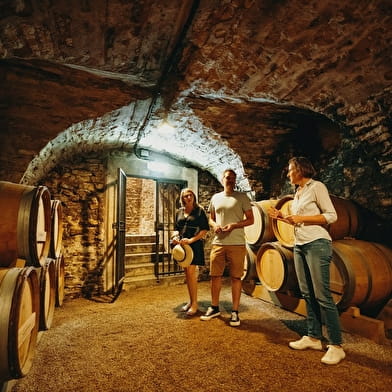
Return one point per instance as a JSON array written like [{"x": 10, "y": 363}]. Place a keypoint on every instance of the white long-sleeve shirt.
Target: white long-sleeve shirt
[{"x": 313, "y": 200}]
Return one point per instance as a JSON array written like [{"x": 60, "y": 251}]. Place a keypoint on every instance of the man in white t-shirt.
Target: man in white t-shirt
[{"x": 230, "y": 212}]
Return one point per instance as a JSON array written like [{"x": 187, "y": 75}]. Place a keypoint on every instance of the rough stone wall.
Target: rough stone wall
[
  {"x": 140, "y": 206},
  {"x": 147, "y": 210},
  {"x": 352, "y": 174},
  {"x": 239, "y": 86},
  {"x": 252, "y": 81},
  {"x": 133, "y": 191},
  {"x": 79, "y": 185}
]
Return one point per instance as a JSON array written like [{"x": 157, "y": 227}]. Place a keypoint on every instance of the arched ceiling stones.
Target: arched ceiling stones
[
  {"x": 252, "y": 76},
  {"x": 118, "y": 130}
]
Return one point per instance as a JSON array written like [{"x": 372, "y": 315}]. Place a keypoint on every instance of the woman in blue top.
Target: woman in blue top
[
  {"x": 191, "y": 228},
  {"x": 311, "y": 211}
]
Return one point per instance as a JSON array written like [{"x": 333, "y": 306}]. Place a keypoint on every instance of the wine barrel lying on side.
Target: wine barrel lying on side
[
  {"x": 249, "y": 278},
  {"x": 19, "y": 321},
  {"x": 275, "y": 267},
  {"x": 56, "y": 235},
  {"x": 347, "y": 225},
  {"x": 25, "y": 224},
  {"x": 47, "y": 282},
  {"x": 60, "y": 280},
  {"x": 361, "y": 273},
  {"x": 261, "y": 229}
]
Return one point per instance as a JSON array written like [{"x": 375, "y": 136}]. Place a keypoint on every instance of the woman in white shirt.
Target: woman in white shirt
[{"x": 311, "y": 211}]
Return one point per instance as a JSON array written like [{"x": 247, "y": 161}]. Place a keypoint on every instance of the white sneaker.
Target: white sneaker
[
  {"x": 334, "y": 355},
  {"x": 235, "y": 320},
  {"x": 306, "y": 342},
  {"x": 211, "y": 313}
]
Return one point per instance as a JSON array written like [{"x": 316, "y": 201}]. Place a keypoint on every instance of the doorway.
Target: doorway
[{"x": 151, "y": 206}]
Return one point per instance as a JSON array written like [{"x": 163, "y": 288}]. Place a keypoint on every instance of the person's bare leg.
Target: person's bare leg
[
  {"x": 216, "y": 285},
  {"x": 236, "y": 287},
  {"x": 191, "y": 280}
]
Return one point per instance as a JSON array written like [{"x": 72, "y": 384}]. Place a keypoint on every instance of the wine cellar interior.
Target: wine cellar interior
[{"x": 109, "y": 108}]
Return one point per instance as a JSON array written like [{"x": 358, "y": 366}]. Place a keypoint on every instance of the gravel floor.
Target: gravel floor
[{"x": 142, "y": 342}]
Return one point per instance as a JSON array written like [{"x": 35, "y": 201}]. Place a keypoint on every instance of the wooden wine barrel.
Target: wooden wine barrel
[
  {"x": 249, "y": 278},
  {"x": 19, "y": 321},
  {"x": 348, "y": 222},
  {"x": 284, "y": 232},
  {"x": 275, "y": 267},
  {"x": 60, "y": 280},
  {"x": 347, "y": 225},
  {"x": 24, "y": 224},
  {"x": 361, "y": 273},
  {"x": 261, "y": 229},
  {"x": 47, "y": 282},
  {"x": 56, "y": 234},
  {"x": 250, "y": 264}
]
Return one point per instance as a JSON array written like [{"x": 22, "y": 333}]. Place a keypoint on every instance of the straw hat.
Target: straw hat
[{"x": 183, "y": 255}]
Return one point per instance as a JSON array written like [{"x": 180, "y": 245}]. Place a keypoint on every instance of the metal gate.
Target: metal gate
[
  {"x": 167, "y": 203},
  {"x": 119, "y": 226}
]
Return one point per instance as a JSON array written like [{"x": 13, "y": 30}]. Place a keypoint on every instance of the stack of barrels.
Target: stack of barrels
[
  {"x": 360, "y": 271},
  {"x": 31, "y": 272},
  {"x": 260, "y": 232}
]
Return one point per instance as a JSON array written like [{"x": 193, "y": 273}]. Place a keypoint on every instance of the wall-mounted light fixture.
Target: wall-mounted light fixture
[{"x": 144, "y": 154}]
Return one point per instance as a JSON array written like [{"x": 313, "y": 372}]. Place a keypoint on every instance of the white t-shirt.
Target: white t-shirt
[{"x": 230, "y": 209}]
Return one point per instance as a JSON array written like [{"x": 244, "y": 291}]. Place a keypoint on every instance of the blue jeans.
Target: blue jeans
[{"x": 312, "y": 262}]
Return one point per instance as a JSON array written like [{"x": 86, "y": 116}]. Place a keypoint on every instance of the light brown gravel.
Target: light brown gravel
[{"x": 142, "y": 342}]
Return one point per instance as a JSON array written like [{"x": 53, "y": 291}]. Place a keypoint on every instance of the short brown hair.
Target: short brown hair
[
  {"x": 229, "y": 171},
  {"x": 304, "y": 166}
]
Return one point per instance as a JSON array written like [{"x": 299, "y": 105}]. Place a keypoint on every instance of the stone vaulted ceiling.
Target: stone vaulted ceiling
[{"x": 245, "y": 83}]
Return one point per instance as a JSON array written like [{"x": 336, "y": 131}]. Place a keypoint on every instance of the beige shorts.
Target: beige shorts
[{"x": 231, "y": 255}]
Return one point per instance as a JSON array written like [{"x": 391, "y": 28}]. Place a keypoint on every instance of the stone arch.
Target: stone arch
[{"x": 118, "y": 130}]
